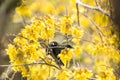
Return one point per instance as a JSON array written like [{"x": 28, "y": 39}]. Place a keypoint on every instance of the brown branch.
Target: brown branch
[
  {"x": 13, "y": 75},
  {"x": 96, "y": 2},
  {"x": 89, "y": 41},
  {"x": 78, "y": 18}
]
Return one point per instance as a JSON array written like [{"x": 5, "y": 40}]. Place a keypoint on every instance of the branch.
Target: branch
[
  {"x": 78, "y": 18},
  {"x": 97, "y": 8},
  {"x": 96, "y": 26},
  {"x": 30, "y": 64}
]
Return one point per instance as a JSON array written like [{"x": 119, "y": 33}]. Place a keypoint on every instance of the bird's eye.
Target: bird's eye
[{"x": 52, "y": 44}]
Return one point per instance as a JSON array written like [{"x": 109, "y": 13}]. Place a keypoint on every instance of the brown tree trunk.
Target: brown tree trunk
[
  {"x": 115, "y": 5},
  {"x": 115, "y": 13}
]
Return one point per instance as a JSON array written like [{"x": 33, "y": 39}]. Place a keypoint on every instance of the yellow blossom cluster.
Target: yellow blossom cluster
[
  {"x": 28, "y": 48},
  {"x": 106, "y": 75},
  {"x": 82, "y": 74},
  {"x": 66, "y": 55},
  {"x": 64, "y": 74},
  {"x": 75, "y": 74},
  {"x": 92, "y": 40}
]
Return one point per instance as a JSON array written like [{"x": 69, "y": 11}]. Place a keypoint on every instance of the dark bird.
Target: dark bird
[{"x": 55, "y": 49}]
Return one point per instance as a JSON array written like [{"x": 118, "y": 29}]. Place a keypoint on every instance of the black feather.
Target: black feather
[{"x": 55, "y": 49}]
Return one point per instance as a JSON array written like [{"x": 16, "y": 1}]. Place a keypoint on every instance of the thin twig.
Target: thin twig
[
  {"x": 91, "y": 78},
  {"x": 99, "y": 31},
  {"x": 30, "y": 64},
  {"x": 5, "y": 74},
  {"x": 73, "y": 58},
  {"x": 13, "y": 75},
  {"x": 97, "y": 8},
  {"x": 78, "y": 18},
  {"x": 24, "y": 22},
  {"x": 14, "y": 35},
  {"x": 89, "y": 41},
  {"x": 67, "y": 38},
  {"x": 96, "y": 2}
]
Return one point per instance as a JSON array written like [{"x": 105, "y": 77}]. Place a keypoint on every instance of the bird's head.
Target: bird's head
[{"x": 53, "y": 44}]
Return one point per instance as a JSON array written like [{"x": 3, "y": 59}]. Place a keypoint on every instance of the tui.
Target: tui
[{"x": 55, "y": 49}]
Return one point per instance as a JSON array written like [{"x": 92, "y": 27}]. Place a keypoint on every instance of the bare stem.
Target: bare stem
[
  {"x": 78, "y": 18},
  {"x": 96, "y": 26}
]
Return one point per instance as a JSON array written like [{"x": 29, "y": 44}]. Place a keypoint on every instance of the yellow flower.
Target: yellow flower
[
  {"x": 50, "y": 33},
  {"x": 77, "y": 50},
  {"x": 64, "y": 74},
  {"x": 38, "y": 72},
  {"x": 64, "y": 29},
  {"x": 76, "y": 41},
  {"x": 23, "y": 10},
  {"x": 47, "y": 33},
  {"x": 77, "y": 32},
  {"x": 20, "y": 40},
  {"x": 66, "y": 55},
  {"x": 106, "y": 75},
  {"x": 82, "y": 74},
  {"x": 12, "y": 52},
  {"x": 66, "y": 24}
]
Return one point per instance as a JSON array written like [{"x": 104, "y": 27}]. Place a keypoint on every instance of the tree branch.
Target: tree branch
[
  {"x": 35, "y": 63},
  {"x": 97, "y": 8},
  {"x": 78, "y": 18}
]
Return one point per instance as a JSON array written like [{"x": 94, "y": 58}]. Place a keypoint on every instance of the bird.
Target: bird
[{"x": 54, "y": 48}]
